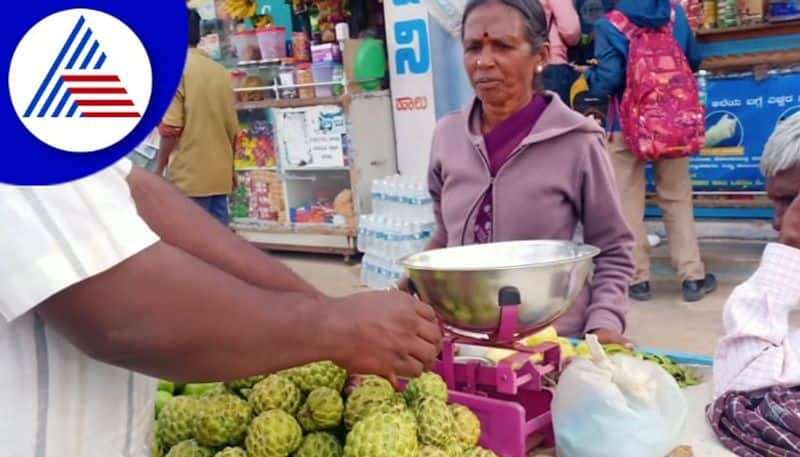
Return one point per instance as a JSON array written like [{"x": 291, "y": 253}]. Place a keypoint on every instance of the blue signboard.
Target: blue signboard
[{"x": 741, "y": 114}]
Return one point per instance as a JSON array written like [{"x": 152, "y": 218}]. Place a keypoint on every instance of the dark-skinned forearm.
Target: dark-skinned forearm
[
  {"x": 166, "y": 146},
  {"x": 181, "y": 223},
  {"x": 170, "y": 315}
]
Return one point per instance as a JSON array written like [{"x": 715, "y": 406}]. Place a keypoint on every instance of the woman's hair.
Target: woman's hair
[
  {"x": 536, "y": 27},
  {"x": 194, "y": 28}
]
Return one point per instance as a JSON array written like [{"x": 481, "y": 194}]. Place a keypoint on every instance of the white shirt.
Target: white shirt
[
  {"x": 54, "y": 400},
  {"x": 759, "y": 349}
]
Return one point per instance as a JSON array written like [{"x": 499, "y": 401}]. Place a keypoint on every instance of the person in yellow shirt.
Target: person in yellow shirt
[{"x": 199, "y": 129}]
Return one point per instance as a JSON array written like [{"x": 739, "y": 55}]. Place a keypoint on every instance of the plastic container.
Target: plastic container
[
  {"x": 328, "y": 52},
  {"x": 304, "y": 75},
  {"x": 237, "y": 79},
  {"x": 270, "y": 73},
  {"x": 323, "y": 73},
  {"x": 287, "y": 78},
  {"x": 272, "y": 42},
  {"x": 301, "y": 47},
  {"x": 247, "y": 46}
]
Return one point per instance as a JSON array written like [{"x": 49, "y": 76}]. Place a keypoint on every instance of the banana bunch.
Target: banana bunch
[
  {"x": 262, "y": 21},
  {"x": 240, "y": 9}
]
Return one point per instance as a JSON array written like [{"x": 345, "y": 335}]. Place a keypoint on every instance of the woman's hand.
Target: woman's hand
[{"x": 605, "y": 336}]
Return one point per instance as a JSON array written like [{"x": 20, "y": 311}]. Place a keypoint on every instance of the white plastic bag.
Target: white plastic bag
[{"x": 616, "y": 407}]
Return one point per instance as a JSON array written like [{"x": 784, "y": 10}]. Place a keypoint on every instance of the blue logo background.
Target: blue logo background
[{"x": 160, "y": 25}]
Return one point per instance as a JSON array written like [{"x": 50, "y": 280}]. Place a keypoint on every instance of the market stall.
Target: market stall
[
  {"x": 505, "y": 384},
  {"x": 749, "y": 81},
  {"x": 315, "y": 117}
]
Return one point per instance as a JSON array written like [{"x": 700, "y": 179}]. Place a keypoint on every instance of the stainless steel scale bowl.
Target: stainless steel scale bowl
[{"x": 465, "y": 285}]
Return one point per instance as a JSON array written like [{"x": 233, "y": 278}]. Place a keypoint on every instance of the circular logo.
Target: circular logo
[{"x": 80, "y": 80}]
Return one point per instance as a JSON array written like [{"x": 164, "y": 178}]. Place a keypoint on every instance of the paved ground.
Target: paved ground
[{"x": 665, "y": 322}]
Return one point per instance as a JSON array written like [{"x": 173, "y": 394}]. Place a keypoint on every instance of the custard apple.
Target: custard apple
[
  {"x": 455, "y": 449},
  {"x": 319, "y": 444},
  {"x": 245, "y": 383},
  {"x": 479, "y": 452},
  {"x": 468, "y": 426},
  {"x": 318, "y": 374},
  {"x": 273, "y": 434},
  {"x": 362, "y": 400},
  {"x": 231, "y": 452},
  {"x": 156, "y": 450},
  {"x": 275, "y": 392},
  {"x": 201, "y": 388},
  {"x": 221, "y": 420},
  {"x": 364, "y": 380},
  {"x": 432, "y": 451},
  {"x": 175, "y": 420},
  {"x": 162, "y": 398},
  {"x": 382, "y": 435},
  {"x": 322, "y": 410},
  {"x": 189, "y": 448},
  {"x": 427, "y": 385},
  {"x": 435, "y": 422}
]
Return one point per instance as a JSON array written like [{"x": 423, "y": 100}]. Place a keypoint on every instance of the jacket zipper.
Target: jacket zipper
[
  {"x": 508, "y": 160},
  {"x": 481, "y": 196}
]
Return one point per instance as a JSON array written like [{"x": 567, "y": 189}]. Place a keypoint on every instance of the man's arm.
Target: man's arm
[
  {"x": 167, "y": 145},
  {"x": 181, "y": 223},
  {"x": 170, "y": 128},
  {"x": 168, "y": 314}
]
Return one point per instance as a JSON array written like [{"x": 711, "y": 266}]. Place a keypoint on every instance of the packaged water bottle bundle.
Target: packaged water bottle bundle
[{"x": 401, "y": 224}]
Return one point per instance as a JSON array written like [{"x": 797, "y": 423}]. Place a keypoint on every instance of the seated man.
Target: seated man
[
  {"x": 757, "y": 365},
  {"x": 757, "y": 350}
]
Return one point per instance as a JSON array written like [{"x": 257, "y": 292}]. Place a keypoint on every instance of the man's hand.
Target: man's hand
[
  {"x": 790, "y": 226},
  {"x": 385, "y": 333},
  {"x": 605, "y": 336}
]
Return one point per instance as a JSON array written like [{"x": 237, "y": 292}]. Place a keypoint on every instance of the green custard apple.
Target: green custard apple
[
  {"x": 322, "y": 410},
  {"x": 362, "y": 401},
  {"x": 479, "y": 452},
  {"x": 275, "y": 392},
  {"x": 432, "y": 451},
  {"x": 435, "y": 423},
  {"x": 189, "y": 448},
  {"x": 318, "y": 374},
  {"x": 382, "y": 435},
  {"x": 468, "y": 426},
  {"x": 427, "y": 385},
  {"x": 176, "y": 419},
  {"x": 319, "y": 444},
  {"x": 231, "y": 452},
  {"x": 221, "y": 420},
  {"x": 273, "y": 434}
]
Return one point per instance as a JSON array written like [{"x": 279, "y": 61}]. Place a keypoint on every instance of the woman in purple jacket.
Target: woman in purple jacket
[{"x": 517, "y": 164}]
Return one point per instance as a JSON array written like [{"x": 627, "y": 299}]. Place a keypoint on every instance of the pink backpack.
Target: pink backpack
[{"x": 660, "y": 114}]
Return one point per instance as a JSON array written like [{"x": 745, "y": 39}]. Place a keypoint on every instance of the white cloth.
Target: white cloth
[
  {"x": 54, "y": 400},
  {"x": 759, "y": 349}
]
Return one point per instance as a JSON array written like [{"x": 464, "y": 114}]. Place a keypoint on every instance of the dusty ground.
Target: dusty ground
[{"x": 666, "y": 322}]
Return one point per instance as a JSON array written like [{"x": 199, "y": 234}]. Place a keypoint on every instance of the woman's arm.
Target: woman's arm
[
  {"x": 567, "y": 22},
  {"x": 608, "y": 76},
  {"x": 605, "y": 227}
]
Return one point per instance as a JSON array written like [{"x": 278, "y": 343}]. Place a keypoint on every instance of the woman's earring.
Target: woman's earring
[{"x": 540, "y": 68}]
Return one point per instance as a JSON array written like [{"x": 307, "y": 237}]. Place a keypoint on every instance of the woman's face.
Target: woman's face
[{"x": 498, "y": 57}]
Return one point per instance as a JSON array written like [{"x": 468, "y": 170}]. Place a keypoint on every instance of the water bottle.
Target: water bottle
[
  {"x": 702, "y": 86},
  {"x": 361, "y": 243}
]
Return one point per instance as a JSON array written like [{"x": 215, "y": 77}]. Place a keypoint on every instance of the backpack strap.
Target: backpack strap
[{"x": 622, "y": 23}]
